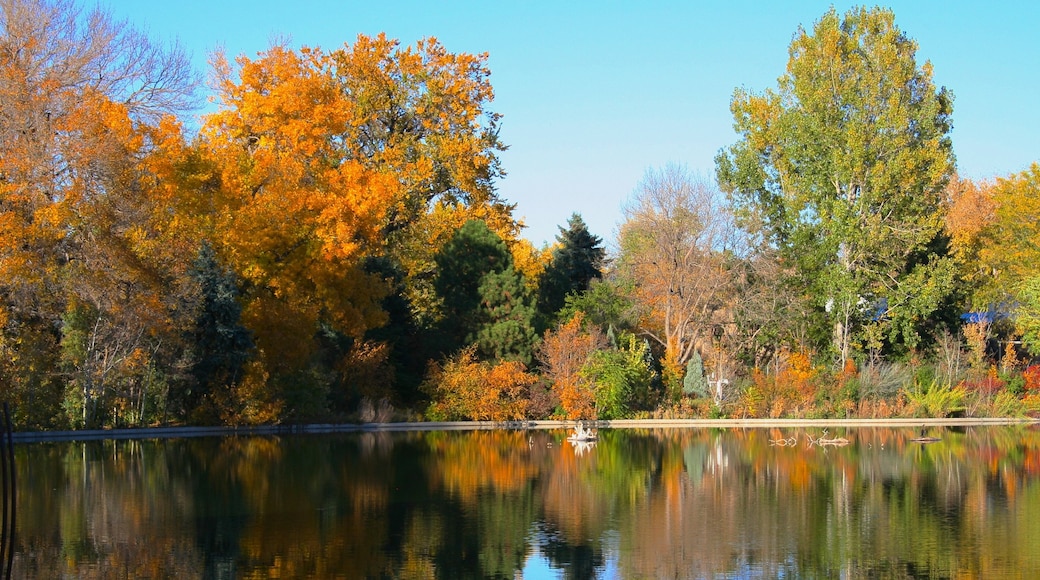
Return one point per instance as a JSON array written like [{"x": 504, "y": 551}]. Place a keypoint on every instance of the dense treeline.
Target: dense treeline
[{"x": 329, "y": 245}]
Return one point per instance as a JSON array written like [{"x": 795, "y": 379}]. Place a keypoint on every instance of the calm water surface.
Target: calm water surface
[{"x": 683, "y": 503}]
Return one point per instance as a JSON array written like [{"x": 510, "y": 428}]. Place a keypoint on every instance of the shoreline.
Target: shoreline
[{"x": 328, "y": 428}]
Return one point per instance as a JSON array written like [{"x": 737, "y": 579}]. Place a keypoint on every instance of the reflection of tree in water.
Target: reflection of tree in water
[
  {"x": 653, "y": 503},
  {"x": 578, "y": 561}
]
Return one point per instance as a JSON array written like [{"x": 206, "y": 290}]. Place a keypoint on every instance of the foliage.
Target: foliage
[
  {"x": 694, "y": 382},
  {"x": 485, "y": 301},
  {"x": 884, "y": 380},
  {"x": 935, "y": 400},
  {"x": 563, "y": 356},
  {"x": 506, "y": 329},
  {"x": 577, "y": 260},
  {"x": 672, "y": 252},
  {"x": 606, "y": 304},
  {"x": 468, "y": 389},
  {"x": 1010, "y": 243},
  {"x": 220, "y": 344},
  {"x": 1027, "y": 316},
  {"x": 842, "y": 170},
  {"x": 1032, "y": 379},
  {"x": 622, "y": 378}
]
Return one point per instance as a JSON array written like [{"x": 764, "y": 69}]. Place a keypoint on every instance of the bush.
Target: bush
[
  {"x": 465, "y": 389},
  {"x": 935, "y": 400}
]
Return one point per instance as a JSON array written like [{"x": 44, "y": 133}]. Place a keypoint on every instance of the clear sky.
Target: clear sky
[{"x": 594, "y": 93}]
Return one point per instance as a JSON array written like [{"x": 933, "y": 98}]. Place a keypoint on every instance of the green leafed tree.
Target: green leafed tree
[
  {"x": 841, "y": 169},
  {"x": 623, "y": 378},
  {"x": 506, "y": 327}
]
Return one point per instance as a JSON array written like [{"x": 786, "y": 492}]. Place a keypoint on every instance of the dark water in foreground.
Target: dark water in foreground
[{"x": 689, "y": 503}]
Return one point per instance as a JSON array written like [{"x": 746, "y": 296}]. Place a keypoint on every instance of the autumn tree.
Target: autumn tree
[
  {"x": 386, "y": 150},
  {"x": 78, "y": 91},
  {"x": 577, "y": 260},
  {"x": 969, "y": 212},
  {"x": 1008, "y": 251},
  {"x": 124, "y": 283},
  {"x": 562, "y": 356},
  {"x": 1009, "y": 242},
  {"x": 674, "y": 250},
  {"x": 842, "y": 170}
]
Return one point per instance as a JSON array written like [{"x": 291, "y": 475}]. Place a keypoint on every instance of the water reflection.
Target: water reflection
[{"x": 506, "y": 504}]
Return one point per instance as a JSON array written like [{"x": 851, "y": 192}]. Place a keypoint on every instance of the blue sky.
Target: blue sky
[{"x": 595, "y": 93}]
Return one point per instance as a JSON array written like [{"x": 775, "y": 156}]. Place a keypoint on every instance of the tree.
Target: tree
[
  {"x": 562, "y": 357},
  {"x": 607, "y": 304},
  {"x": 79, "y": 92},
  {"x": 484, "y": 299},
  {"x": 577, "y": 260},
  {"x": 842, "y": 170},
  {"x": 473, "y": 253},
  {"x": 1009, "y": 242},
  {"x": 468, "y": 389},
  {"x": 675, "y": 245},
  {"x": 219, "y": 343},
  {"x": 969, "y": 211},
  {"x": 1028, "y": 314},
  {"x": 1000, "y": 235},
  {"x": 622, "y": 378},
  {"x": 506, "y": 330}
]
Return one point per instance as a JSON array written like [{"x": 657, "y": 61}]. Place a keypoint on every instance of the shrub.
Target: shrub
[
  {"x": 465, "y": 389},
  {"x": 935, "y": 400},
  {"x": 1031, "y": 378}
]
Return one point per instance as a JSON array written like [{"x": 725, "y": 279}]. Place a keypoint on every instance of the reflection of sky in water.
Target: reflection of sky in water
[{"x": 538, "y": 567}]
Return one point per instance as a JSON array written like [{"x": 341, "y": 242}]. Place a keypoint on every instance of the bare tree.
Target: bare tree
[{"x": 676, "y": 246}]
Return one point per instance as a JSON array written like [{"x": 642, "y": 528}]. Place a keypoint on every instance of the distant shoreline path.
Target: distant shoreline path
[{"x": 323, "y": 428}]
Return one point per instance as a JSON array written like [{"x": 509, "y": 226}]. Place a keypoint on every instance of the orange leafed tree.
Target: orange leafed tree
[
  {"x": 970, "y": 211},
  {"x": 674, "y": 242},
  {"x": 1011, "y": 243},
  {"x": 563, "y": 354},
  {"x": 78, "y": 93},
  {"x": 325, "y": 158}
]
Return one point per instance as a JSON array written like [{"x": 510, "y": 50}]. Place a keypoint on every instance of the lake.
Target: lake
[{"x": 636, "y": 503}]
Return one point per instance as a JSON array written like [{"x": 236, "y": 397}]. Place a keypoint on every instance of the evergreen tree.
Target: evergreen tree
[
  {"x": 506, "y": 331},
  {"x": 578, "y": 260},
  {"x": 485, "y": 300},
  {"x": 220, "y": 344},
  {"x": 472, "y": 253},
  {"x": 695, "y": 383}
]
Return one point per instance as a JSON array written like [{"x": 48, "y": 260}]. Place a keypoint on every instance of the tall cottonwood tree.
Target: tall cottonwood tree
[
  {"x": 675, "y": 246},
  {"x": 842, "y": 170},
  {"x": 325, "y": 160}
]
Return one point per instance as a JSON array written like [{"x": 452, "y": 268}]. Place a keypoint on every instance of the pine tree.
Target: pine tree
[
  {"x": 485, "y": 300},
  {"x": 221, "y": 345},
  {"x": 578, "y": 260}
]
